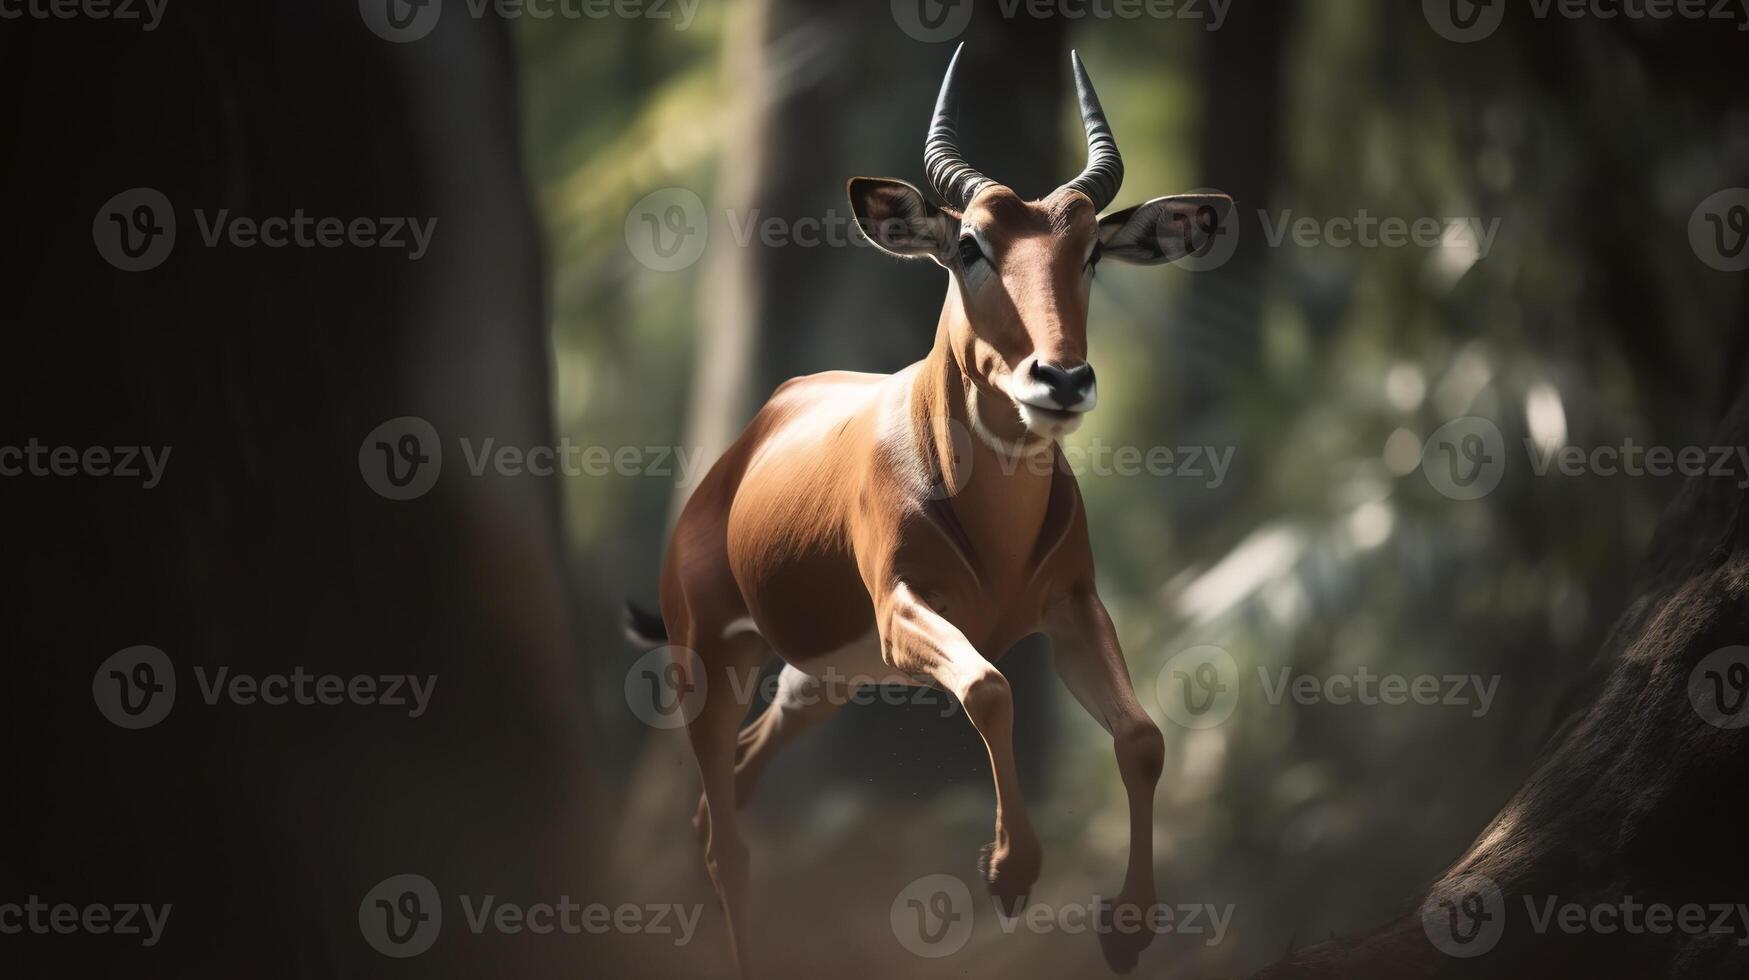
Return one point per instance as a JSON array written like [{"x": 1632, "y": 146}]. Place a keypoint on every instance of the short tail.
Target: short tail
[{"x": 644, "y": 627}]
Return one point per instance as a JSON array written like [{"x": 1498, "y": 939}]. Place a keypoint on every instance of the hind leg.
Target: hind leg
[
  {"x": 801, "y": 703},
  {"x": 727, "y": 664}
]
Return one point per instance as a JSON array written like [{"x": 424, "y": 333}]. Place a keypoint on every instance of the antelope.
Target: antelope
[{"x": 910, "y": 528}]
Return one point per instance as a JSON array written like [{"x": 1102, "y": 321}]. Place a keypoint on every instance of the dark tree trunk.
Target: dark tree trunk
[
  {"x": 1638, "y": 795},
  {"x": 1215, "y": 350},
  {"x": 264, "y": 550}
]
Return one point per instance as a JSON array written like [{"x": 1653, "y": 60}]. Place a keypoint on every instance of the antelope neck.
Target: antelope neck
[{"x": 999, "y": 494}]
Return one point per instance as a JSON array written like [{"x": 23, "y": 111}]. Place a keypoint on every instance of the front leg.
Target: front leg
[
  {"x": 918, "y": 641},
  {"x": 1085, "y": 649}
]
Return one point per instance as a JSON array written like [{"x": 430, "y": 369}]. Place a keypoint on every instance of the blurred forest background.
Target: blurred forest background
[
  {"x": 545, "y": 146},
  {"x": 1589, "y": 322}
]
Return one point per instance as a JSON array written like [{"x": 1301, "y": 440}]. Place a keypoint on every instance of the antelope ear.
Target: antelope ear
[
  {"x": 1165, "y": 229},
  {"x": 900, "y": 221}
]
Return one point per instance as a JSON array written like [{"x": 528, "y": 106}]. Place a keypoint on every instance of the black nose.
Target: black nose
[{"x": 1068, "y": 385}]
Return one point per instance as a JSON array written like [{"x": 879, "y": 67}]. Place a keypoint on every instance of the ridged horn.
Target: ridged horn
[
  {"x": 1104, "y": 172},
  {"x": 949, "y": 173}
]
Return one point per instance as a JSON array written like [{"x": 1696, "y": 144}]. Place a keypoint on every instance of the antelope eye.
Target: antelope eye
[
  {"x": 1093, "y": 256},
  {"x": 969, "y": 250}
]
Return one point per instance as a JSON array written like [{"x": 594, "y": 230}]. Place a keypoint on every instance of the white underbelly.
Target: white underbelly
[{"x": 856, "y": 664}]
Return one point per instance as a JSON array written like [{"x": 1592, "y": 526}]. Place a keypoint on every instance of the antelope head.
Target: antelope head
[{"x": 1016, "y": 314}]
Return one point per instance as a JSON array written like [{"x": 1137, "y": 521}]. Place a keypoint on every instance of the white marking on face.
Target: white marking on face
[
  {"x": 988, "y": 436},
  {"x": 1042, "y": 413},
  {"x": 1027, "y": 391},
  {"x": 1049, "y": 423}
]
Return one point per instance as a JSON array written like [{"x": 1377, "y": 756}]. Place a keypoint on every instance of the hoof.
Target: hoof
[
  {"x": 1009, "y": 881},
  {"x": 1123, "y": 944}
]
